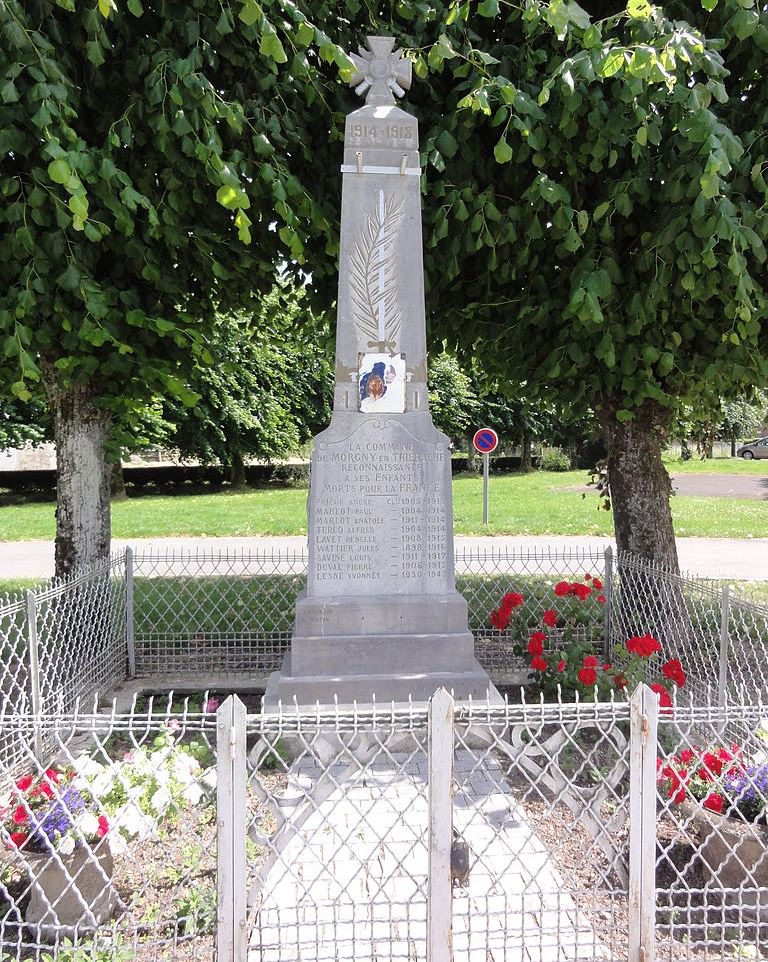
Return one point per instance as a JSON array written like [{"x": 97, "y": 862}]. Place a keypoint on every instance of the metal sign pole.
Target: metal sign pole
[{"x": 486, "y": 460}]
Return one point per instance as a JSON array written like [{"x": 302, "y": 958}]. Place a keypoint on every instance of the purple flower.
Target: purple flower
[
  {"x": 47, "y": 825},
  {"x": 749, "y": 791}
]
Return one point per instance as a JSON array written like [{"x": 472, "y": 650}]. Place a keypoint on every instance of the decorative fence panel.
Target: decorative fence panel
[
  {"x": 579, "y": 832},
  {"x": 177, "y": 618}
]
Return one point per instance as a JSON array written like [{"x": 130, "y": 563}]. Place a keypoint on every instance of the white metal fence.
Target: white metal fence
[
  {"x": 175, "y": 616},
  {"x": 536, "y": 832}
]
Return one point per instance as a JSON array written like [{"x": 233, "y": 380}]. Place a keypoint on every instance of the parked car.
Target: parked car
[{"x": 754, "y": 449}]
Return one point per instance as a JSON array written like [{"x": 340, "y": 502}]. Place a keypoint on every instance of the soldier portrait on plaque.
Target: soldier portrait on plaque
[{"x": 382, "y": 383}]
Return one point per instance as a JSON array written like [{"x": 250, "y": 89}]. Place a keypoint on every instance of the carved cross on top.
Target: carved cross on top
[{"x": 381, "y": 71}]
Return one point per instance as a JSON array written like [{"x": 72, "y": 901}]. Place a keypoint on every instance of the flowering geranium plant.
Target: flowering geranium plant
[
  {"x": 51, "y": 812},
  {"x": 718, "y": 777},
  {"x": 563, "y": 659}
]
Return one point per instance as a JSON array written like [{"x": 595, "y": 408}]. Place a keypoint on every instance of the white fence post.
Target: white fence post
[
  {"x": 231, "y": 934},
  {"x": 644, "y": 714},
  {"x": 440, "y": 839},
  {"x": 34, "y": 673},
  {"x": 130, "y": 638},
  {"x": 722, "y": 680},
  {"x": 607, "y": 607}
]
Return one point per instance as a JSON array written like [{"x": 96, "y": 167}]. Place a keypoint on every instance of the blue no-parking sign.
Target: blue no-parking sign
[{"x": 485, "y": 440}]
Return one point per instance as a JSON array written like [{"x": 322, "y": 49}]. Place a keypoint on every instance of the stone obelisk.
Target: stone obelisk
[{"x": 380, "y": 615}]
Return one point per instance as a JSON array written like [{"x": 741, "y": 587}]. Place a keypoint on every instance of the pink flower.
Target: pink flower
[{"x": 211, "y": 706}]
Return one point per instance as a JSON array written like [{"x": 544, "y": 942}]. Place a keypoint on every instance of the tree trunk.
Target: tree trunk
[
  {"x": 639, "y": 484},
  {"x": 648, "y": 598},
  {"x": 526, "y": 462},
  {"x": 237, "y": 470},
  {"x": 82, "y": 477},
  {"x": 733, "y": 447},
  {"x": 471, "y": 454},
  {"x": 117, "y": 480}
]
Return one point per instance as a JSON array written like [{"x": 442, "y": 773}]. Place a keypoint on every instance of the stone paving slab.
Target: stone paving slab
[{"x": 351, "y": 879}]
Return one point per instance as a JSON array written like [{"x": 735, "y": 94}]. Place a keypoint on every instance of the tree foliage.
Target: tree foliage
[{"x": 269, "y": 392}]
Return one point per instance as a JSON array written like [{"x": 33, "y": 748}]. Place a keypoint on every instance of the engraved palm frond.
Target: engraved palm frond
[{"x": 372, "y": 276}]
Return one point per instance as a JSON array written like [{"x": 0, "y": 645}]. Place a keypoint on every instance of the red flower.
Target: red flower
[
  {"x": 535, "y": 645},
  {"x": 587, "y": 676},
  {"x": 587, "y": 577},
  {"x": 644, "y": 646},
  {"x": 674, "y": 671},
  {"x": 539, "y": 664},
  {"x": 20, "y": 815},
  {"x": 550, "y": 618},
  {"x": 664, "y": 700},
  {"x": 103, "y": 828},
  {"x": 562, "y": 588},
  {"x": 714, "y": 803},
  {"x": 597, "y": 584},
  {"x": 511, "y": 600},
  {"x": 18, "y": 838},
  {"x": 590, "y": 661},
  {"x": 601, "y": 599},
  {"x": 561, "y": 665},
  {"x": 581, "y": 591},
  {"x": 499, "y": 621},
  {"x": 677, "y": 787},
  {"x": 23, "y": 783},
  {"x": 607, "y": 667},
  {"x": 686, "y": 756},
  {"x": 53, "y": 775},
  {"x": 621, "y": 681}
]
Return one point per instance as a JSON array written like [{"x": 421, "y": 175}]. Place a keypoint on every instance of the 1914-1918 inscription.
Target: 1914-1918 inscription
[{"x": 379, "y": 517}]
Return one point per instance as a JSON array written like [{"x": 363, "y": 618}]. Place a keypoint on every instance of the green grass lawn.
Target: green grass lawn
[{"x": 539, "y": 503}]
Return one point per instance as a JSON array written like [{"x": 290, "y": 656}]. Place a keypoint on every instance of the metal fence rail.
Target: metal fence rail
[
  {"x": 178, "y": 614},
  {"x": 569, "y": 831}
]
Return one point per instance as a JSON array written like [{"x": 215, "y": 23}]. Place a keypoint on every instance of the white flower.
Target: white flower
[
  {"x": 66, "y": 845},
  {"x": 161, "y": 800},
  {"x": 193, "y": 793},
  {"x": 88, "y": 823},
  {"x": 133, "y": 822}
]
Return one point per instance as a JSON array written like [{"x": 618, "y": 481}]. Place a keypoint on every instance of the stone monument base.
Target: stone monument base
[
  {"x": 384, "y": 648},
  {"x": 350, "y": 686}
]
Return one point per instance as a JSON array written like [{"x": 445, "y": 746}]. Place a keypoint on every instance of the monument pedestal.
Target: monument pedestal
[{"x": 381, "y": 616}]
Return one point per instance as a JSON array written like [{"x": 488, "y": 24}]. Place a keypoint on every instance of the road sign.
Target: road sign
[{"x": 485, "y": 440}]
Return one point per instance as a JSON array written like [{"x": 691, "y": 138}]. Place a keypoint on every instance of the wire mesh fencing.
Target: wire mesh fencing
[
  {"x": 719, "y": 635},
  {"x": 108, "y": 840},
  {"x": 62, "y": 643},
  {"x": 184, "y": 615},
  {"x": 576, "y": 832}
]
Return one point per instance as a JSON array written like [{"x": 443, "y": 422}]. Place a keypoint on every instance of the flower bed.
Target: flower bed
[{"x": 563, "y": 662}]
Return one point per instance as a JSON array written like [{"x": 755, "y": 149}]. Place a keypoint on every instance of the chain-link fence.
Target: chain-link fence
[
  {"x": 611, "y": 831},
  {"x": 61, "y": 644},
  {"x": 719, "y": 634},
  {"x": 174, "y": 618}
]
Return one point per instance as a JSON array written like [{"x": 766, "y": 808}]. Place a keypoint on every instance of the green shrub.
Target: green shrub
[{"x": 555, "y": 460}]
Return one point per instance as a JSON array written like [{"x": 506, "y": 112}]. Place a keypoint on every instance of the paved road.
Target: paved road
[
  {"x": 731, "y": 558},
  {"x": 751, "y": 487}
]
